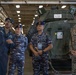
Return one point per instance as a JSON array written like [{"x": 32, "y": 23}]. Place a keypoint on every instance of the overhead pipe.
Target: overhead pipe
[{"x": 36, "y": 2}]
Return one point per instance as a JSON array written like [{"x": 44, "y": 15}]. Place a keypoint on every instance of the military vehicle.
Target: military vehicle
[{"x": 58, "y": 24}]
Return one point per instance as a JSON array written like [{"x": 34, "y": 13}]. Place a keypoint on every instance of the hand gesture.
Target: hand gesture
[
  {"x": 36, "y": 53},
  {"x": 73, "y": 52},
  {"x": 9, "y": 41},
  {"x": 40, "y": 52}
]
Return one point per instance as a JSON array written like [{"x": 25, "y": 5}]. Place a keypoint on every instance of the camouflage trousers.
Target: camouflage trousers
[
  {"x": 73, "y": 65},
  {"x": 40, "y": 64},
  {"x": 16, "y": 63}
]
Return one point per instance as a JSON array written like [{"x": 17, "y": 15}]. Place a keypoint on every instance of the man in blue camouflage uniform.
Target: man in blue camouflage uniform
[
  {"x": 17, "y": 52},
  {"x": 5, "y": 34},
  {"x": 40, "y": 45}
]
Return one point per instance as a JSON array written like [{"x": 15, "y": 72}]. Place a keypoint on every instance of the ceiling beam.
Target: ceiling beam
[
  {"x": 22, "y": 12},
  {"x": 37, "y": 2},
  {"x": 23, "y": 18},
  {"x": 25, "y": 21}
]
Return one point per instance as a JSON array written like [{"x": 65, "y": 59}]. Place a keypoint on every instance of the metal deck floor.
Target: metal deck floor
[{"x": 29, "y": 70}]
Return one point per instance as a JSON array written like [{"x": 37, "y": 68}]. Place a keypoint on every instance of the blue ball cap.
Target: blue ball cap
[
  {"x": 18, "y": 26},
  {"x": 40, "y": 23},
  {"x": 10, "y": 19}
]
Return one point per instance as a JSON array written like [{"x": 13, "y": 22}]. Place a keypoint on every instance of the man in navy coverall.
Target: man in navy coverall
[{"x": 5, "y": 34}]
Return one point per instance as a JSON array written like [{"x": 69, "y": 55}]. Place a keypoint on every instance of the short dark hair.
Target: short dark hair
[{"x": 11, "y": 20}]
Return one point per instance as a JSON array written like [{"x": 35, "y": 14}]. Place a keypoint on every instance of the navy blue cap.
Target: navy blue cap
[
  {"x": 18, "y": 26},
  {"x": 11, "y": 20},
  {"x": 40, "y": 23}
]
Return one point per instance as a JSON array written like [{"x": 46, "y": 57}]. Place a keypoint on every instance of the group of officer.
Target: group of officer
[{"x": 17, "y": 43}]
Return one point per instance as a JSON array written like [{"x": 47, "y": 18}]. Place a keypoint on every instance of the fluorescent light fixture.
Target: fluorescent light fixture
[
  {"x": 20, "y": 24},
  {"x": 40, "y": 6},
  {"x": 1, "y": 23},
  {"x": 33, "y": 22},
  {"x": 34, "y": 18},
  {"x": 18, "y": 15},
  {"x": 22, "y": 31},
  {"x": 36, "y": 15},
  {"x": 23, "y": 25},
  {"x": 19, "y": 18},
  {"x": 17, "y": 6},
  {"x": 13, "y": 28},
  {"x": 18, "y": 11},
  {"x": 64, "y": 6}
]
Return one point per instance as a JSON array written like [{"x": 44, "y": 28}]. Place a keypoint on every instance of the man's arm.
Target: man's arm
[
  {"x": 49, "y": 42},
  {"x": 11, "y": 43},
  {"x": 73, "y": 52},
  {"x": 50, "y": 46},
  {"x": 33, "y": 50}
]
